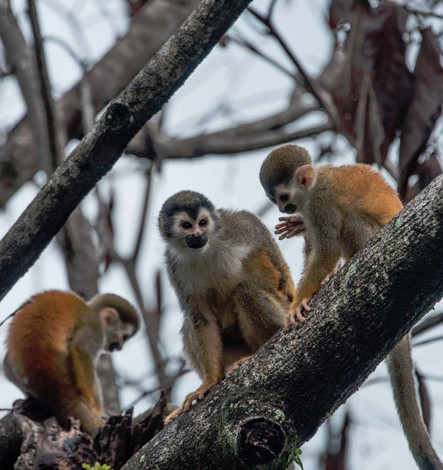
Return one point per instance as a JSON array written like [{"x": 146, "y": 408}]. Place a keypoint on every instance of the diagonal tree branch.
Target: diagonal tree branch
[
  {"x": 23, "y": 61},
  {"x": 103, "y": 145},
  {"x": 22, "y": 156},
  {"x": 276, "y": 401}
]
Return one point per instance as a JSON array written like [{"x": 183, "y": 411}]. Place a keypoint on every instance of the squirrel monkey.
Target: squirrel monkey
[
  {"x": 341, "y": 208},
  {"x": 231, "y": 281},
  {"x": 53, "y": 343}
]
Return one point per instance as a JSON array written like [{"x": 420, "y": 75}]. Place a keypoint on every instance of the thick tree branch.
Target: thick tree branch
[
  {"x": 103, "y": 145},
  {"x": 222, "y": 145},
  {"x": 21, "y": 155},
  {"x": 276, "y": 401}
]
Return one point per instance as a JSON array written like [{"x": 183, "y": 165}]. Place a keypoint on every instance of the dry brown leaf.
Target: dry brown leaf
[
  {"x": 425, "y": 107},
  {"x": 371, "y": 113}
]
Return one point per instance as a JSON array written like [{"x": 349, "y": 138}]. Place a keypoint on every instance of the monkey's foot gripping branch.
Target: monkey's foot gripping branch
[
  {"x": 295, "y": 317},
  {"x": 328, "y": 277},
  {"x": 235, "y": 365},
  {"x": 196, "y": 396}
]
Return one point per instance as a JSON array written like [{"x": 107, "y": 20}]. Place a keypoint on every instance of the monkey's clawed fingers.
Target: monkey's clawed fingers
[
  {"x": 327, "y": 278},
  {"x": 173, "y": 415},
  {"x": 199, "y": 394},
  {"x": 196, "y": 396},
  {"x": 295, "y": 317},
  {"x": 289, "y": 227}
]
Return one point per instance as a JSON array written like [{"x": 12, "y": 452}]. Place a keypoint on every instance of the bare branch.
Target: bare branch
[
  {"x": 153, "y": 24},
  {"x": 143, "y": 216},
  {"x": 22, "y": 60},
  {"x": 323, "y": 97},
  {"x": 428, "y": 323},
  {"x": 227, "y": 144},
  {"x": 52, "y": 133},
  {"x": 254, "y": 49}
]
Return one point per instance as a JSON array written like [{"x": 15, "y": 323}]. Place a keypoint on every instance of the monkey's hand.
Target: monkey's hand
[
  {"x": 295, "y": 316},
  {"x": 289, "y": 227}
]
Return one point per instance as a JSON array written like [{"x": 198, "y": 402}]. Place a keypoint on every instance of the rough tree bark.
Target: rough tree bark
[
  {"x": 103, "y": 145},
  {"x": 31, "y": 439},
  {"x": 12, "y": 435},
  {"x": 276, "y": 401}
]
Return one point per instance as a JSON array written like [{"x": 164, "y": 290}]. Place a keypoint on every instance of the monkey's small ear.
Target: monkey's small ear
[
  {"x": 305, "y": 175},
  {"x": 108, "y": 316}
]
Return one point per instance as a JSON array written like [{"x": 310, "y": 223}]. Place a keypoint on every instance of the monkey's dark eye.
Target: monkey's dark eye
[
  {"x": 186, "y": 225},
  {"x": 284, "y": 197},
  {"x": 203, "y": 223}
]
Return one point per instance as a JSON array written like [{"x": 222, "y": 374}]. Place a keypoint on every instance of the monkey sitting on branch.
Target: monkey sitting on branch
[
  {"x": 52, "y": 346},
  {"x": 341, "y": 208},
  {"x": 231, "y": 281}
]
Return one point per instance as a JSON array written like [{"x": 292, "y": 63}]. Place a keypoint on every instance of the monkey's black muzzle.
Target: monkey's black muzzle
[
  {"x": 196, "y": 241},
  {"x": 290, "y": 208},
  {"x": 115, "y": 347}
]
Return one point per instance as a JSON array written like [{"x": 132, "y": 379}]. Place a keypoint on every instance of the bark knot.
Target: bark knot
[
  {"x": 260, "y": 440},
  {"x": 118, "y": 116}
]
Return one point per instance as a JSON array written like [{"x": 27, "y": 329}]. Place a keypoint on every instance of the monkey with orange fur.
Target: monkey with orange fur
[
  {"x": 341, "y": 208},
  {"x": 53, "y": 343}
]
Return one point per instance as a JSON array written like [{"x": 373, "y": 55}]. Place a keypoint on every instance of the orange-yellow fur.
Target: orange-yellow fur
[
  {"x": 341, "y": 209},
  {"x": 346, "y": 205},
  {"x": 53, "y": 343}
]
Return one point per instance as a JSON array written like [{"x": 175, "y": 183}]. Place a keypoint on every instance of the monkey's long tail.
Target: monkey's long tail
[{"x": 401, "y": 370}]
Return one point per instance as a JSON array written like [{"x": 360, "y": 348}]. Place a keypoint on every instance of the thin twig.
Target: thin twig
[
  {"x": 73, "y": 24},
  {"x": 45, "y": 87},
  {"x": 428, "y": 341},
  {"x": 428, "y": 323},
  {"x": 170, "y": 382},
  {"x": 248, "y": 45},
  {"x": 312, "y": 86},
  {"x": 271, "y": 8},
  {"x": 83, "y": 63},
  {"x": 144, "y": 215}
]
